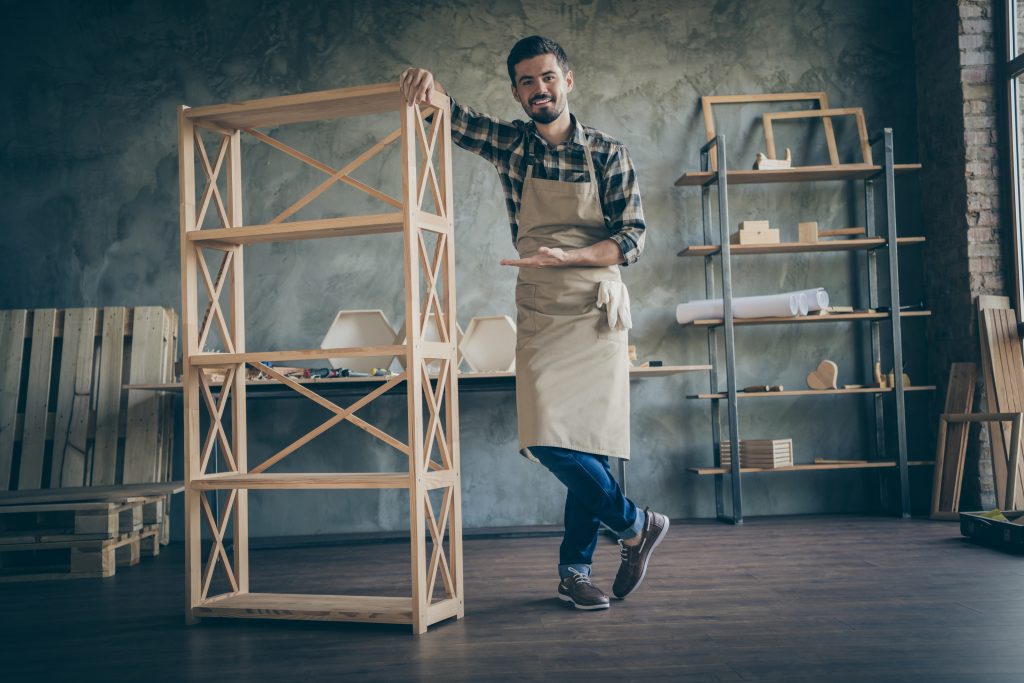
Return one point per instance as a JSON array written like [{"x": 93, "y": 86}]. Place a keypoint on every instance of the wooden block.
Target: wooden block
[
  {"x": 824, "y": 376},
  {"x": 808, "y": 232},
  {"x": 755, "y": 226},
  {"x": 128, "y": 555},
  {"x": 101, "y": 561},
  {"x": 842, "y": 232},
  {"x": 12, "y": 347},
  {"x": 102, "y": 521},
  {"x": 748, "y": 237}
]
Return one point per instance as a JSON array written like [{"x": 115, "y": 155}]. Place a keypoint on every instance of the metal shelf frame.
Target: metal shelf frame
[{"x": 893, "y": 340}]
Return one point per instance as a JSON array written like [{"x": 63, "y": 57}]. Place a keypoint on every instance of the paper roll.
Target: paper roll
[
  {"x": 816, "y": 299},
  {"x": 769, "y": 306}
]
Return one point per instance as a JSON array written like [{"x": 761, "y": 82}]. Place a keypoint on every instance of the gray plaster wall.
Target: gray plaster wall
[{"x": 89, "y": 194}]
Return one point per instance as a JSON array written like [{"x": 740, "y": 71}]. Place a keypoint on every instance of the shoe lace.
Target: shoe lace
[
  {"x": 623, "y": 550},
  {"x": 579, "y": 577}
]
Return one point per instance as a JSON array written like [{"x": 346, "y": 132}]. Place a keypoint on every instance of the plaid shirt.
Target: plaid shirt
[{"x": 504, "y": 144}]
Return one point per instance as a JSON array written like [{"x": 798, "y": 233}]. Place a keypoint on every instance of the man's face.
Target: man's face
[{"x": 541, "y": 88}]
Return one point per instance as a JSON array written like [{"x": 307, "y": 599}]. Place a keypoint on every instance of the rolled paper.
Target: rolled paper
[
  {"x": 769, "y": 306},
  {"x": 816, "y": 299}
]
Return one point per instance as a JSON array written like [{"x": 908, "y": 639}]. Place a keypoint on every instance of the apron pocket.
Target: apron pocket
[{"x": 526, "y": 308}]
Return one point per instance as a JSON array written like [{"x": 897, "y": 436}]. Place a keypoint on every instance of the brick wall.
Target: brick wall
[{"x": 969, "y": 247}]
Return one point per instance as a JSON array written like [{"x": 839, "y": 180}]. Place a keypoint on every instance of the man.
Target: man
[{"x": 574, "y": 208}]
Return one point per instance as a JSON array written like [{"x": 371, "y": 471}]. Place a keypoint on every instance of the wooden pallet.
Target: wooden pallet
[
  {"x": 78, "y": 427},
  {"x": 76, "y": 540}
]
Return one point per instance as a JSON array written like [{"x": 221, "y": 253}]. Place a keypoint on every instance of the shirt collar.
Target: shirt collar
[{"x": 575, "y": 134}]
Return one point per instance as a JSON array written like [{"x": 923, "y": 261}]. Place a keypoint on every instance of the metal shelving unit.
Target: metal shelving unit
[{"x": 874, "y": 243}]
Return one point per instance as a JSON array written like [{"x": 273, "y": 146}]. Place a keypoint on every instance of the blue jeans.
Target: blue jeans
[{"x": 593, "y": 497}]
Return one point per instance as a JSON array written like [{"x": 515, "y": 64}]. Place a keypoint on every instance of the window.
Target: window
[{"x": 1013, "y": 74}]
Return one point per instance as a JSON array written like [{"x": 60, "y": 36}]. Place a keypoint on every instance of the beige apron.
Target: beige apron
[{"x": 572, "y": 369}]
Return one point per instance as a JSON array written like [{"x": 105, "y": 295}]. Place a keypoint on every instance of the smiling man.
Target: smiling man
[{"x": 574, "y": 208}]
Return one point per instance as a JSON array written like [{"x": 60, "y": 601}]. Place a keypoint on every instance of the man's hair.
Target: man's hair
[{"x": 532, "y": 47}]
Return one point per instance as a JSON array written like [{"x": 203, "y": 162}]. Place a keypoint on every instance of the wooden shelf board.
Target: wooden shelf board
[
  {"x": 635, "y": 373},
  {"x": 381, "y": 610},
  {"x": 314, "y": 106},
  {"x": 216, "y": 360},
  {"x": 799, "y": 247},
  {"x": 812, "y": 467},
  {"x": 812, "y": 392},
  {"x": 790, "y": 175},
  {"x": 831, "y": 318},
  {"x": 113, "y": 492},
  {"x": 298, "y": 480},
  {"x": 345, "y": 226}
]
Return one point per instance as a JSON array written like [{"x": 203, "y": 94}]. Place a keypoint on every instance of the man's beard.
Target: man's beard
[{"x": 546, "y": 116}]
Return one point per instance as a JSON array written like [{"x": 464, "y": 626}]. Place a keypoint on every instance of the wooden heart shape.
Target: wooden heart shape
[{"x": 824, "y": 376}]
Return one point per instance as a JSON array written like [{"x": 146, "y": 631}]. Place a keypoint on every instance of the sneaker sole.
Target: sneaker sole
[
  {"x": 566, "y": 598},
  {"x": 661, "y": 537}
]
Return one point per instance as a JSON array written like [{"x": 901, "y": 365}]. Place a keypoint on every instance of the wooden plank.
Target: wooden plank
[
  {"x": 300, "y": 480},
  {"x": 792, "y": 175},
  {"x": 71, "y": 422},
  {"x": 798, "y": 247},
  {"x": 37, "y": 398},
  {"x": 812, "y": 392},
  {"x": 147, "y": 364},
  {"x": 801, "y": 319},
  {"x": 108, "y": 397},
  {"x": 375, "y": 224},
  {"x": 325, "y": 104},
  {"x": 90, "y": 493},
  {"x": 76, "y": 457},
  {"x": 12, "y": 348},
  {"x": 383, "y": 610},
  {"x": 225, "y": 359},
  {"x": 951, "y": 448},
  {"x": 838, "y": 465}
]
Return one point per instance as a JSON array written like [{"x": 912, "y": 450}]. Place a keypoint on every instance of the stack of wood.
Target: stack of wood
[
  {"x": 767, "y": 454},
  {"x": 755, "y": 232},
  {"x": 84, "y": 465}
]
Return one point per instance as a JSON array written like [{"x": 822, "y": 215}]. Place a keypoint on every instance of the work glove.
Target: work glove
[{"x": 614, "y": 298}]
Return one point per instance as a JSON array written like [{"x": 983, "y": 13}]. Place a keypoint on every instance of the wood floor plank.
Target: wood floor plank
[{"x": 782, "y": 599}]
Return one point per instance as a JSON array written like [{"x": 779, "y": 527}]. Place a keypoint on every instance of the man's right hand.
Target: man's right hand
[{"x": 417, "y": 85}]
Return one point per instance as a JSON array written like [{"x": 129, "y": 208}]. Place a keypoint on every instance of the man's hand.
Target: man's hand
[
  {"x": 544, "y": 258},
  {"x": 417, "y": 85}
]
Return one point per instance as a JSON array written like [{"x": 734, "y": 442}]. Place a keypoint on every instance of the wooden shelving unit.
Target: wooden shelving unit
[
  {"x": 716, "y": 245},
  {"x": 429, "y": 450}
]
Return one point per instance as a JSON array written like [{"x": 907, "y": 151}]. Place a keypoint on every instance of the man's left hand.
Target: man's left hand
[{"x": 544, "y": 258}]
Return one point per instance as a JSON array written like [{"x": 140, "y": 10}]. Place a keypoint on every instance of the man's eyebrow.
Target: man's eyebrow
[{"x": 550, "y": 71}]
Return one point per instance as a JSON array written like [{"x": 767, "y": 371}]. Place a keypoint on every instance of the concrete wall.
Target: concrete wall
[{"x": 89, "y": 192}]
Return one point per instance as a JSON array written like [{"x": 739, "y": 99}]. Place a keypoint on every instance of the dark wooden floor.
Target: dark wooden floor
[{"x": 795, "y": 599}]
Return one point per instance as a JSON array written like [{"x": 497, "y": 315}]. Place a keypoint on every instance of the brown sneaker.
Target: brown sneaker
[
  {"x": 635, "y": 557},
  {"x": 577, "y": 589}
]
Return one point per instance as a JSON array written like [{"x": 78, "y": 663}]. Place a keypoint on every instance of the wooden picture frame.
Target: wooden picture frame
[{"x": 826, "y": 115}]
